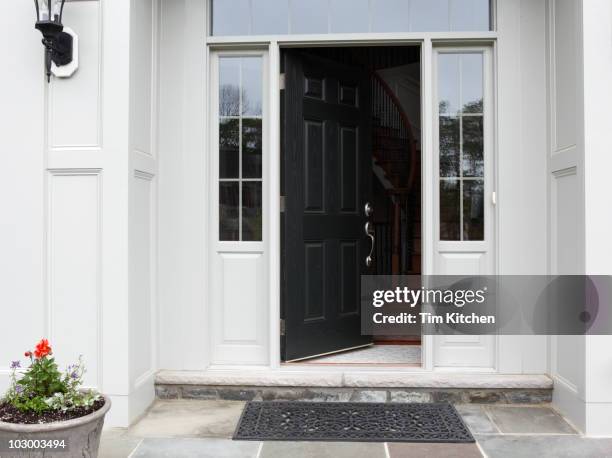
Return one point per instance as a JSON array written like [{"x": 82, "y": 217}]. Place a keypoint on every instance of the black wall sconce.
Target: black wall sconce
[{"x": 58, "y": 44}]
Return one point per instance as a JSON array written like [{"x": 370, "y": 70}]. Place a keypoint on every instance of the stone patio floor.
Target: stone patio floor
[{"x": 192, "y": 428}]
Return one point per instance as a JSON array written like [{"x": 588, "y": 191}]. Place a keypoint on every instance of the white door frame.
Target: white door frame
[{"x": 427, "y": 41}]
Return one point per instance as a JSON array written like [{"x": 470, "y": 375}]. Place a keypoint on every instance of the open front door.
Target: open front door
[{"x": 327, "y": 169}]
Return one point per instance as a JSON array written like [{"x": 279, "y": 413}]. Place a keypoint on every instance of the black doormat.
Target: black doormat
[{"x": 351, "y": 421}]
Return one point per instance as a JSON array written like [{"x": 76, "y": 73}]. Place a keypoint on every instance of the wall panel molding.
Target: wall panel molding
[
  {"x": 74, "y": 105},
  {"x": 74, "y": 267}
]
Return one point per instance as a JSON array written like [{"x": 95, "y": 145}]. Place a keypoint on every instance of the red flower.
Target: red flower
[
  {"x": 42, "y": 349},
  {"x": 27, "y": 354}
]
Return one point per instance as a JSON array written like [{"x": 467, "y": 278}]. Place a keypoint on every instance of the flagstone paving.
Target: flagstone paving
[{"x": 203, "y": 429}]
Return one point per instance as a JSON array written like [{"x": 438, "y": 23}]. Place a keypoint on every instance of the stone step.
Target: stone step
[
  {"x": 318, "y": 394},
  {"x": 374, "y": 387}
]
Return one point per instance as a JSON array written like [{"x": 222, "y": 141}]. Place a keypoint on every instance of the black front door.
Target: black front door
[{"x": 327, "y": 169}]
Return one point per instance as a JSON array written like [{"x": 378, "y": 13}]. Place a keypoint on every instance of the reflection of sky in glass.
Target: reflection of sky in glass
[
  {"x": 428, "y": 15},
  {"x": 309, "y": 16},
  {"x": 460, "y": 83},
  {"x": 270, "y": 17},
  {"x": 349, "y": 16},
  {"x": 471, "y": 82},
  {"x": 469, "y": 15},
  {"x": 448, "y": 83},
  {"x": 229, "y": 86},
  {"x": 231, "y": 17},
  {"x": 390, "y": 16},
  {"x": 240, "y": 76},
  {"x": 251, "y": 86}
]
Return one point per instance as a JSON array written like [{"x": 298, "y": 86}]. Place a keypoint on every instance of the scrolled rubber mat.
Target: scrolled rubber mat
[{"x": 351, "y": 421}]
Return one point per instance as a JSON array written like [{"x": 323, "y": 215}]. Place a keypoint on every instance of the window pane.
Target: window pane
[
  {"x": 270, "y": 17},
  {"x": 471, "y": 83},
  {"x": 229, "y": 148},
  {"x": 240, "y": 147},
  {"x": 449, "y": 210},
  {"x": 229, "y": 86},
  {"x": 349, "y": 16},
  {"x": 429, "y": 15},
  {"x": 390, "y": 16},
  {"x": 473, "y": 210},
  {"x": 231, "y": 17},
  {"x": 473, "y": 146},
  {"x": 448, "y": 83},
  {"x": 309, "y": 16},
  {"x": 251, "y": 148},
  {"x": 228, "y": 210},
  {"x": 449, "y": 146},
  {"x": 251, "y": 86},
  {"x": 469, "y": 15},
  {"x": 251, "y": 211}
]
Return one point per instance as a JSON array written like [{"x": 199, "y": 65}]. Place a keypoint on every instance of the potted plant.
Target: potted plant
[{"x": 46, "y": 411}]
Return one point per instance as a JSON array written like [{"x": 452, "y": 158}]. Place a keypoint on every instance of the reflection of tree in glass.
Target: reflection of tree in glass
[
  {"x": 229, "y": 101},
  {"x": 473, "y": 210},
  {"x": 473, "y": 107},
  {"x": 228, "y": 211},
  {"x": 251, "y": 208},
  {"x": 449, "y": 146},
  {"x": 449, "y": 210},
  {"x": 228, "y": 148},
  {"x": 251, "y": 147},
  {"x": 473, "y": 161}
]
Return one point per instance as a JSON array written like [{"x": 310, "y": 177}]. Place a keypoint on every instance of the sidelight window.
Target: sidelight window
[
  {"x": 461, "y": 145},
  {"x": 240, "y": 148}
]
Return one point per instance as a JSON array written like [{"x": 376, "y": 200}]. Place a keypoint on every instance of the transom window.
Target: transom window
[{"x": 281, "y": 17}]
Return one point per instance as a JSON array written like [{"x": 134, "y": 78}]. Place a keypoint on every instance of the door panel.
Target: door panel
[{"x": 327, "y": 173}]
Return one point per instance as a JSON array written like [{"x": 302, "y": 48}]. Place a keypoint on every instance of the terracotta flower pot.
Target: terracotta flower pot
[{"x": 81, "y": 436}]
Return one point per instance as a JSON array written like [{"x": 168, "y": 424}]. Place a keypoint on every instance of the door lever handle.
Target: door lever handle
[{"x": 369, "y": 230}]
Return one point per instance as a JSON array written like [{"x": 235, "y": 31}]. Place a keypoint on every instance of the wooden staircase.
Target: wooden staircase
[{"x": 397, "y": 161}]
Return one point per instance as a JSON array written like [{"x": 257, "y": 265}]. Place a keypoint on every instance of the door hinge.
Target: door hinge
[
  {"x": 282, "y": 204},
  {"x": 281, "y": 81},
  {"x": 494, "y": 198},
  {"x": 282, "y": 327}
]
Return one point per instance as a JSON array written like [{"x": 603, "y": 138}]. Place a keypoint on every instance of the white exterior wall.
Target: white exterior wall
[
  {"x": 580, "y": 70},
  {"x": 107, "y": 257},
  {"x": 183, "y": 203},
  {"x": 184, "y": 165},
  {"x": 142, "y": 219},
  {"x": 597, "y": 20},
  {"x": 71, "y": 269}
]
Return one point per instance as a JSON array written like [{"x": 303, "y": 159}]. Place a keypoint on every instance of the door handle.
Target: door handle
[
  {"x": 370, "y": 233},
  {"x": 368, "y": 209}
]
